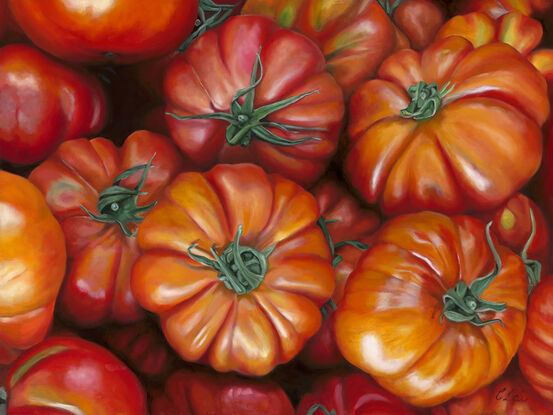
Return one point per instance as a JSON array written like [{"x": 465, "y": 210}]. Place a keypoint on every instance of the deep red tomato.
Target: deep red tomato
[
  {"x": 273, "y": 125},
  {"x": 42, "y": 103},
  {"x": 32, "y": 265},
  {"x": 70, "y": 375},
  {"x": 92, "y": 31},
  {"x": 509, "y": 395},
  {"x": 189, "y": 392},
  {"x": 448, "y": 135},
  {"x": 101, "y": 252},
  {"x": 347, "y": 223},
  {"x": 434, "y": 309},
  {"x": 350, "y": 394}
]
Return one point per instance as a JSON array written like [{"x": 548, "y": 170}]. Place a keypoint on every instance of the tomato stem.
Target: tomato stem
[
  {"x": 389, "y": 7},
  {"x": 247, "y": 122},
  {"x": 241, "y": 268},
  {"x": 462, "y": 303},
  {"x": 533, "y": 267},
  {"x": 426, "y": 100},
  {"x": 319, "y": 407},
  {"x": 118, "y": 204},
  {"x": 337, "y": 259}
]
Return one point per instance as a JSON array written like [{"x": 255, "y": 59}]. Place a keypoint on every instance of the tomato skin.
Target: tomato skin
[
  {"x": 352, "y": 393},
  {"x": 96, "y": 288},
  {"x": 388, "y": 322},
  {"x": 195, "y": 392},
  {"x": 44, "y": 103},
  {"x": 121, "y": 31},
  {"x": 354, "y": 223},
  {"x": 98, "y": 382},
  {"x": 200, "y": 316},
  {"x": 206, "y": 76},
  {"x": 32, "y": 265},
  {"x": 419, "y": 20},
  {"x": 438, "y": 163},
  {"x": 497, "y": 8}
]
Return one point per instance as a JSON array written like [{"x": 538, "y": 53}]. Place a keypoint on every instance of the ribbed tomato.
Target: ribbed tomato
[
  {"x": 435, "y": 309},
  {"x": 94, "y": 190},
  {"x": 245, "y": 268}
]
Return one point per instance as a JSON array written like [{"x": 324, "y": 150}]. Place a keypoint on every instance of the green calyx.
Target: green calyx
[
  {"x": 218, "y": 14},
  {"x": 533, "y": 267},
  {"x": 247, "y": 122},
  {"x": 426, "y": 100},
  {"x": 241, "y": 268},
  {"x": 119, "y": 205},
  {"x": 462, "y": 303},
  {"x": 319, "y": 407},
  {"x": 389, "y": 7}
]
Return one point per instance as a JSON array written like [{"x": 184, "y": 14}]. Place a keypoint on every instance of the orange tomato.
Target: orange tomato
[
  {"x": 245, "y": 268},
  {"x": 32, "y": 265},
  {"x": 432, "y": 312}
]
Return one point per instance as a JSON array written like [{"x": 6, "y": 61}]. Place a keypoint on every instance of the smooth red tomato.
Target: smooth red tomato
[
  {"x": 71, "y": 375},
  {"x": 449, "y": 135},
  {"x": 98, "y": 31},
  {"x": 194, "y": 392},
  {"x": 102, "y": 251},
  {"x": 246, "y": 268},
  {"x": 350, "y": 393},
  {"x": 346, "y": 221},
  {"x": 32, "y": 265},
  {"x": 268, "y": 125},
  {"x": 434, "y": 309},
  {"x": 43, "y": 103}
]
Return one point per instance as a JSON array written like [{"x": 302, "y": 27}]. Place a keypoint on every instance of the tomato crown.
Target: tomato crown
[
  {"x": 426, "y": 100},
  {"x": 389, "y": 7}
]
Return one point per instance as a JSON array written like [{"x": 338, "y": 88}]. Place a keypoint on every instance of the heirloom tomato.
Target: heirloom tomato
[
  {"x": 195, "y": 392},
  {"x": 350, "y": 393},
  {"x": 536, "y": 351},
  {"x": 434, "y": 309},
  {"x": 71, "y": 375},
  {"x": 32, "y": 265},
  {"x": 42, "y": 103},
  {"x": 447, "y": 129},
  {"x": 497, "y": 8},
  {"x": 97, "y": 192},
  {"x": 355, "y": 35},
  {"x": 92, "y": 31},
  {"x": 250, "y": 91},
  {"x": 236, "y": 267},
  {"x": 509, "y": 395},
  {"x": 348, "y": 227}
]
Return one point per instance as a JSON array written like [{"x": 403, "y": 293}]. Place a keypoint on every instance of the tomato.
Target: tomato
[
  {"x": 143, "y": 348},
  {"x": 71, "y": 374},
  {"x": 426, "y": 312},
  {"x": 282, "y": 124},
  {"x": 496, "y": 8},
  {"x": 536, "y": 355},
  {"x": 353, "y": 224},
  {"x": 350, "y": 393},
  {"x": 254, "y": 301},
  {"x": 355, "y": 35},
  {"x": 84, "y": 173},
  {"x": 193, "y": 392},
  {"x": 510, "y": 394},
  {"x": 92, "y": 31},
  {"x": 42, "y": 103},
  {"x": 412, "y": 154},
  {"x": 32, "y": 265}
]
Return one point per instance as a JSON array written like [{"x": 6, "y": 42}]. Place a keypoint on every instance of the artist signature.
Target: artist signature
[{"x": 511, "y": 395}]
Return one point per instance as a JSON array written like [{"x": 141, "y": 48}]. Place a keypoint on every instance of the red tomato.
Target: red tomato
[
  {"x": 496, "y": 8},
  {"x": 190, "y": 392},
  {"x": 101, "y": 252},
  {"x": 270, "y": 128},
  {"x": 93, "y": 31},
  {"x": 353, "y": 223},
  {"x": 470, "y": 144},
  {"x": 351, "y": 393},
  {"x": 43, "y": 103},
  {"x": 71, "y": 375},
  {"x": 32, "y": 265}
]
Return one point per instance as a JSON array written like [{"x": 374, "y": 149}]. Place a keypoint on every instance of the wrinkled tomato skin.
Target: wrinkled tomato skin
[
  {"x": 92, "y": 31},
  {"x": 43, "y": 103}
]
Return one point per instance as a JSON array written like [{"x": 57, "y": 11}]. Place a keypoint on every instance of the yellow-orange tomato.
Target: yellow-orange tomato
[
  {"x": 236, "y": 267},
  {"x": 32, "y": 265},
  {"x": 421, "y": 311}
]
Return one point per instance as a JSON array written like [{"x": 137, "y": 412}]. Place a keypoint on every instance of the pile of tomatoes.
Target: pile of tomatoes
[{"x": 310, "y": 207}]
